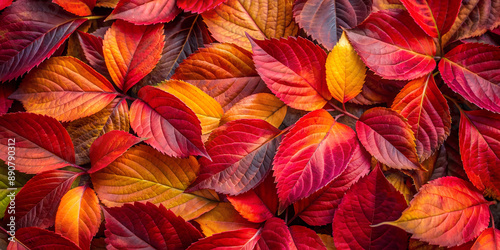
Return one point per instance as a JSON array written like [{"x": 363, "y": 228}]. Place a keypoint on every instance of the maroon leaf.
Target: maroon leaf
[
  {"x": 92, "y": 49},
  {"x": 5, "y": 91},
  {"x": 370, "y": 201},
  {"x": 145, "y": 11},
  {"x": 40, "y": 239}
]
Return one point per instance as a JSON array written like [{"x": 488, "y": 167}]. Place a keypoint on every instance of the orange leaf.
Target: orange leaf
[
  {"x": 79, "y": 216},
  {"x": 132, "y": 51},
  {"x": 260, "y": 19},
  {"x": 262, "y": 106},
  {"x": 488, "y": 240},
  {"x": 345, "y": 72},
  {"x": 66, "y": 89},
  {"x": 144, "y": 174},
  {"x": 447, "y": 212},
  {"x": 77, "y": 7},
  {"x": 221, "y": 219}
]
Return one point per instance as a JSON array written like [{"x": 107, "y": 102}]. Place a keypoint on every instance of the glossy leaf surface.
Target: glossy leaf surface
[
  {"x": 40, "y": 239},
  {"x": 145, "y": 11}
]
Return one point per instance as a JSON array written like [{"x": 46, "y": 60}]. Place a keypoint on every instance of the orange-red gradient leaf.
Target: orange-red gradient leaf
[
  {"x": 479, "y": 137},
  {"x": 142, "y": 12},
  {"x": 388, "y": 136},
  {"x": 428, "y": 114},
  {"x": 392, "y": 45},
  {"x": 77, "y": 7},
  {"x": 447, "y": 211},
  {"x": 232, "y": 20},
  {"x": 435, "y": 17},
  {"x": 226, "y": 72},
  {"x": 488, "y": 240},
  {"x": 294, "y": 70},
  {"x": 223, "y": 218},
  {"x": 147, "y": 226},
  {"x": 315, "y": 152},
  {"x": 40, "y": 239},
  {"x": 79, "y": 216},
  {"x": 242, "y": 153},
  {"x": 66, "y": 89},
  {"x": 143, "y": 174},
  {"x": 239, "y": 239},
  {"x": 132, "y": 51},
  {"x": 41, "y": 143},
  {"x": 198, "y": 6},
  {"x": 170, "y": 126},
  {"x": 108, "y": 147},
  {"x": 206, "y": 108}
]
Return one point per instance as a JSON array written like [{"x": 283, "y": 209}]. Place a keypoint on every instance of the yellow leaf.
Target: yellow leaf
[
  {"x": 206, "y": 108},
  {"x": 345, "y": 72},
  {"x": 223, "y": 218},
  {"x": 262, "y": 106}
]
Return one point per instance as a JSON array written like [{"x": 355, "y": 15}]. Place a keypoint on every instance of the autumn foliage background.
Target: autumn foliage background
[{"x": 265, "y": 124}]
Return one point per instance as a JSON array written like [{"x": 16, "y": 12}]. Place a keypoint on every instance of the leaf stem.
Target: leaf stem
[
  {"x": 492, "y": 219},
  {"x": 94, "y": 17},
  {"x": 343, "y": 111}
]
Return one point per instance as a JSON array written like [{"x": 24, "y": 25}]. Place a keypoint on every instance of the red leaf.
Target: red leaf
[
  {"x": 370, "y": 201},
  {"x": 41, "y": 142},
  {"x": 239, "y": 239},
  {"x": 241, "y": 154},
  {"x": 40, "y": 239},
  {"x": 108, "y": 147},
  {"x": 392, "y": 45},
  {"x": 5, "y": 3},
  {"x": 294, "y": 70},
  {"x": 435, "y": 17},
  {"x": 141, "y": 226},
  {"x": 324, "y": 19},
  {"x": 489, "y": 239},
  {"x": 92, "y": 49},
  {"x": 473, "y": 71},
  {"x": 198, "y": 6},
  {"x": 172, "y": 128},
  {"x": 319, "y": 208},
  {"x": 428, "y": 114},
  {"x": 132, "y": 51},
  {"x": 5, "y": 91},
  {"x": 275, "y": 235},
  {"x": 388, "y": 137},
  {"x": 145, "y": 11},
  {"x": 38, "y": 200},
  {"x": 77, "y": 7},
  {"x": 315, "y": 152},
  {"x": 31, "y": 32},
  {"x": 480, "y": 149},
  {"x": 305, "y": 238}
]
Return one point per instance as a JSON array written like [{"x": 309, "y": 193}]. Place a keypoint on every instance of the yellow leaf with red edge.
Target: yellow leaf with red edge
[
  {"x": 262, "y": 106},
  {"x": 143, "y": 174},
  {"x": 345, "y": 72},
  {"x": 206, "y": 108},
  {"x": 447, "y": 211},
  {"x": 79, "y": 216},
  {"x": 230, "y": 21},
  {"x": 66, "y": 89},
  {"x": 223, "y": 218}
]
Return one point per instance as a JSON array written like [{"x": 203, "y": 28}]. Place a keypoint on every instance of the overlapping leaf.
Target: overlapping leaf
[
  {"x": 239, "y": 239},
  {"x": 78, "y": 7},
  {"x": 79, "y": 216},
  {"x": 143, "y": 174},
  {"x": 319, "y": 208},
  {"x": 428, "y": 114},
  {"x": 294, "y": 70},
  {"x": 110, "y": 146},
  {"x": 315, "y": 152},
  {"x": 224, "y": 71},
  {"x": 171, "y": 126},
  {"x": 276, "y": 235},
  {"x": 38, "y": 200},
  {"x": 41, "y": 143},
  {"x": 38, "y": 238},
  {"x": 5, "y": 3},
  {"x": 141, "y": 226},
  {"x": 392, "y": 45},
  {"x": 233, "y": 19},
  {"x": 324, "y": 19},
  {"x": 145, "y": 11},
  {"x": 5, "y": 103},
  {"x": 92, "y": 49},
  {"x": 377, "y": 90},
  {"x": 345, "y": 72},
  {"x": 262, "y": 106},
  {"x": 206, "y": 108},
  {"x": 66, "y": 89},
  {"x": 473, "y": 70},
  {"x": 242, "y": 153},
  {"x": 132, "y": 51},
  {"x": 480, "y": 149},
  {"x": 304, "y": 238},
  {"x": 198, "y": 6},
  {"x": 9, "y": 185},
  {"x": 489, "y": 239},
  {"x": 31, "y": 32},
  {"x": 223, "y": 218},
  {"x": 446, "y": 212},
  {"x": 388, "y": 136},
  {"x": 434, "y": 17},
  {"x": 370, "y": 201},
  {"x": 84, "y": 131}
]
